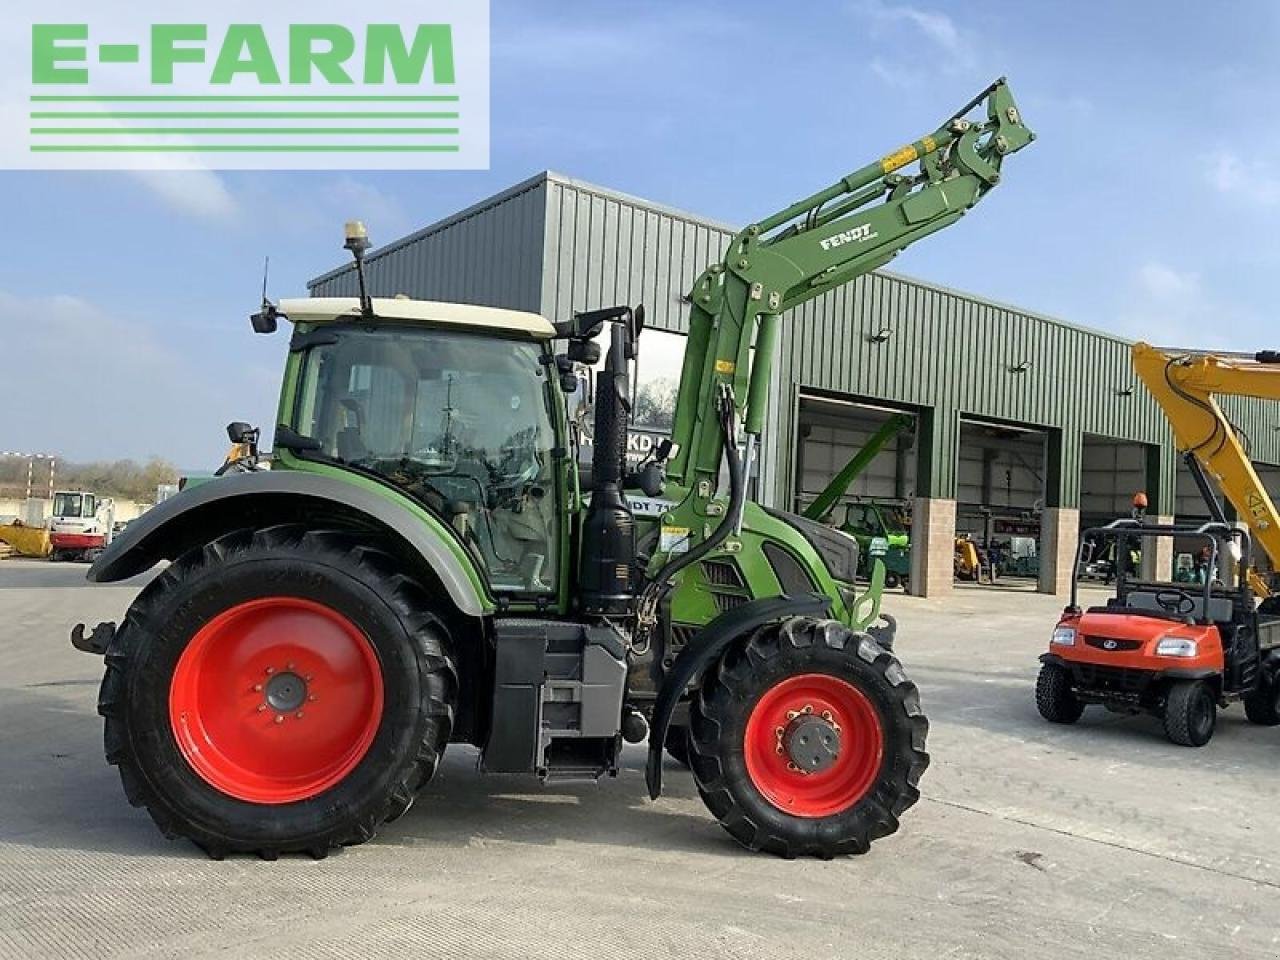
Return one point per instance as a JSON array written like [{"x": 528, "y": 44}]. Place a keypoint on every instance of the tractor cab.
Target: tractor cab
[
  {"x": 451, "y": 405},
  {"x": 1176, "y": 648}
]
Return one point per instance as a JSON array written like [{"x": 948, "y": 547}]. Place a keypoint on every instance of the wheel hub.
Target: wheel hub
[
  {"x": 811, "y": 743},
  {"x": 276, "y": 700},
  {"x": 286, "y": 692}
]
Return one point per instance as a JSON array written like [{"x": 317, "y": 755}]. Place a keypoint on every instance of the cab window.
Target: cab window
[{"x": 460, "y": 422}]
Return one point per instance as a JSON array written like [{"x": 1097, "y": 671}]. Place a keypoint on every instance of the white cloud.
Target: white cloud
[
  {"x": 1173, "y": 307},
  {"x": 955, "y": 45},
  {"x": 89, "y": 383},
  {"x": 1254, "y": 181},
  {"x": 320, "y": 204},
  {"x": 194, "y": 193},
  {"x": 1163, "y": 282}
]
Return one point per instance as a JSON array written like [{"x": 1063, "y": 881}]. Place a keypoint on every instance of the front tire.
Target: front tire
[
  {"x": 677, "y": 744},
  {"x": 1055, "y": 698},
  {"x": 1190, "y": 713},
  {"x": 278, "y": 691},
  {"x": 843, "y": 704}
]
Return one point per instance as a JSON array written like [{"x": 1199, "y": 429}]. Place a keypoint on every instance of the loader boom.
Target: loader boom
[
  {"x": 826, "y": 501},
  {"x": 815, "y": 245},
  {"x": 1185, "y": 386}
]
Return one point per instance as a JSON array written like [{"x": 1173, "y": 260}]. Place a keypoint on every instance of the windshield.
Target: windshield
[
  {"x": 895, "y": 521},
  {"x": 66, "y": 504},
  {"x": 460, "y": 422}
]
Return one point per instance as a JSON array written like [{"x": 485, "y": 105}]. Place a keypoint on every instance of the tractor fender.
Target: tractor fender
[
  {"x": 202, "y": 511},
  {"x": 703, "y": 650}
]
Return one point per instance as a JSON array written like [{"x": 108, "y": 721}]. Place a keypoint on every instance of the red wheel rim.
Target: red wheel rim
[
  {"x": 276, "y": 700},
  {"x": 847, "y": 711}
]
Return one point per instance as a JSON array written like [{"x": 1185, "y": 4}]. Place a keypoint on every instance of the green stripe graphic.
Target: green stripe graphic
[
  {"x": 228, "y": 98},
  {"x": 246, "y": 148},
  {"x": 255, "y": 115},
  {"x": 241, "y": 131}
]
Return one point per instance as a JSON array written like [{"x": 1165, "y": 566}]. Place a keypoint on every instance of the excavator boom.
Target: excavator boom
[{"x": 1185, "y": 386}]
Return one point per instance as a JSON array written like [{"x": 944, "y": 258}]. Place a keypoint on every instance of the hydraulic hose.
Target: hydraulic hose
[{"x": 662, "y": 583}]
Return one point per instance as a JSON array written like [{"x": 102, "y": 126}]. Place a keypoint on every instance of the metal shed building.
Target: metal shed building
[{"x": 981, "y": 378}]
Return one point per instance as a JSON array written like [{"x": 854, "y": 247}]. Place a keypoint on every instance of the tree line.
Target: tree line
[{"x": 121, "y": 479}]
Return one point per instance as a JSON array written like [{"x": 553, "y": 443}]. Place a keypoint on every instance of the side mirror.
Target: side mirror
[
  {"x": 240, "y": 432},
  {"x": 649, "y": 479},
  {"x": 266, "y": 320}
]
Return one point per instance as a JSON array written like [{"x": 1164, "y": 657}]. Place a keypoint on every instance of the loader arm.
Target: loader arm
[
  {"x": 826, "y": 501},
  {"x": 815, "y": 245},
  {"x": 1185, "y": 386}
]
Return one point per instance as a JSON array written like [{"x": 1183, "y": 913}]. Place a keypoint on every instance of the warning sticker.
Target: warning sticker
[
  {"x": 725, "y": 366},
  {"x": 674, "y": 539},
  {"x": 899, "y": 158}
]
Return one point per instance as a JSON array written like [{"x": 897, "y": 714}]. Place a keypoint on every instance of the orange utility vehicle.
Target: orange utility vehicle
[{"x": 1178, "y": 650}]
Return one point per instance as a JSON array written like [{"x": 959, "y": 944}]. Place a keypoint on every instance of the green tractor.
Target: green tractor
[
  {"x": 883, "y": 531},
  {"x": 426, "y": 563}
]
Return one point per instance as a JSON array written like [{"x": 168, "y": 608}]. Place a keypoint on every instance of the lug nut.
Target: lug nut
[
  {"x": 298, "y": 714},
  {"x": 270, "y": 670},
  {"x": 312, "y": 698},
  {"x": 261, "y": 707},
  {"x": 257, "y": 688},
  {"x": 279, "y": 718}
]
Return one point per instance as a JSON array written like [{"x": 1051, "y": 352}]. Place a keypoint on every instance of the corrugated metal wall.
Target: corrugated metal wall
[
  {"x": 488, "y": 254},
  {"x": 604, "y": 248},
  {"x": 556, "y": 245}
]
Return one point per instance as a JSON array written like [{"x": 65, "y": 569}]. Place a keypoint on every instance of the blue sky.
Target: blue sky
[{"x": 1146, "y": 207}]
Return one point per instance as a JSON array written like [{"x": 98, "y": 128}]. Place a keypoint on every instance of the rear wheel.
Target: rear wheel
[
  {"x": 808, "y": 740},
  {"x": 1263, "y": 705},
  {"x": 1190, "y": 713},
  {"x": 277, "y": 691},
  {"x": 1055, "y": 698}
]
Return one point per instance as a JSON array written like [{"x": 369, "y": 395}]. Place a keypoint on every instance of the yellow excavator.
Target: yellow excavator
[{"x": 1185, "y": 385}]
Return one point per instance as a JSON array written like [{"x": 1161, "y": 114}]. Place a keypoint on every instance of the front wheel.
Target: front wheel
[
  {"x": 1055, "y": 698},
  {"x": 808, "y": 740},
  {"x": 276, "y": 691},
  {"x": 1190, "y": 713}
]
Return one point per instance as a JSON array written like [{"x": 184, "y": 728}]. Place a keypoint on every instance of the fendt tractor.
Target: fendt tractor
[{"x": 426, "y": 563}]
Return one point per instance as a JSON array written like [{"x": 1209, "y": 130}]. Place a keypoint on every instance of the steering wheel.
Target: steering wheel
[{"x": 1175, "y": 601}]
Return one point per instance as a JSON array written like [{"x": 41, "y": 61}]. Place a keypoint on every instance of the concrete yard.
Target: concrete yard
[{"x": 1102, "y": 840}]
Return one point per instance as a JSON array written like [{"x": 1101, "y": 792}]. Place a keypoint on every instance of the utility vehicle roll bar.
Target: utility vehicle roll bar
[{"x": 1127, "y": 529}]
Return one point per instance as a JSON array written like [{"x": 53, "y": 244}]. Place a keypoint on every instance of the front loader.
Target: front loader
[{"x": 426, "y": 563}]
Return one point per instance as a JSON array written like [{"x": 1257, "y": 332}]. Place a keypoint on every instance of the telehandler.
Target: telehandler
[
  {"x": 1183, "y": 647},
  {"x": 425, "y": 563}
]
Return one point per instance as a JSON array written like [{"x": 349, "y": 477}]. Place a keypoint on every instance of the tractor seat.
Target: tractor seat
[{"x": 350, "y": 445}]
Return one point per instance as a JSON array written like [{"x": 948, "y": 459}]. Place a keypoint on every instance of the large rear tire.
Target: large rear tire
[
  {"x": 842, "y": 704},
  {"x": 278, "y": 691},
  {"x": 1055, "y": 697},
  {"x": 1190, "y": 713}
]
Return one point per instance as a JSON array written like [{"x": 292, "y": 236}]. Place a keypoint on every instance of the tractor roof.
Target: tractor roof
[{"x": 429, "y": 312}]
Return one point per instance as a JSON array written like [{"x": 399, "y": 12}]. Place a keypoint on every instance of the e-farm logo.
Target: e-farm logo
[{"x": 400, "y": 85}]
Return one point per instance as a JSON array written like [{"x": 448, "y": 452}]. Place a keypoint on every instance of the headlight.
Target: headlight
[
  {"x": 1064, "y": 637},
  {"x": 1176, "y": 647}
]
